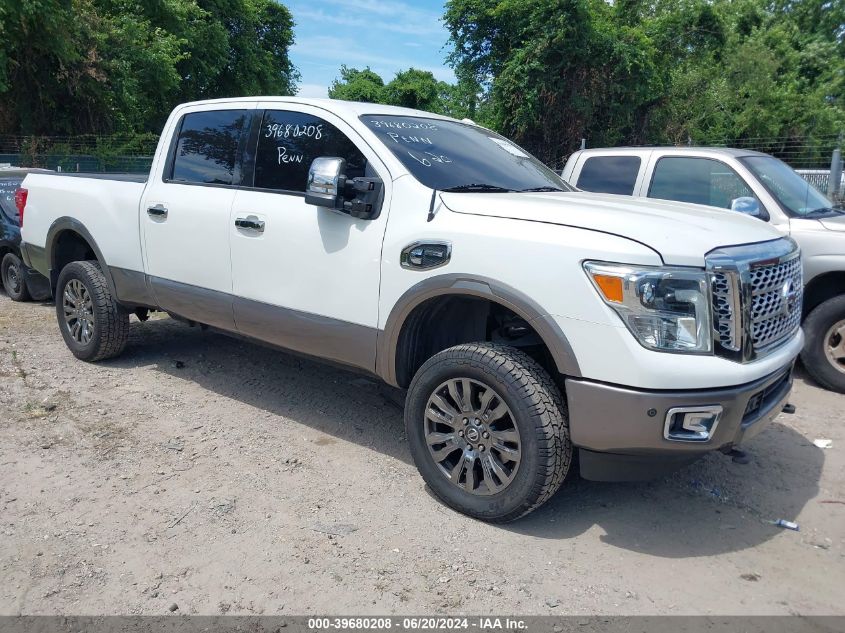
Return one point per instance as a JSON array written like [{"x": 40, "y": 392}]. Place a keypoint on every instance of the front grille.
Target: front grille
[
  {"x": 723, "y": 311},
  {"x": 757, "y": 293},
  {"x": 776, "y": 302}
]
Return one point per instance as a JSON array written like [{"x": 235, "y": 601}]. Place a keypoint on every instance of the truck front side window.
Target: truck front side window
[
  {"x": 290, "y": 141},
  {"x": 697, "y": 180}
]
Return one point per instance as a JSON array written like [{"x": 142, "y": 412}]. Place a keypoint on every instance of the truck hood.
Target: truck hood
[
  {"x": 836, "y": 223},
  {"x": 681, "y": 233}
]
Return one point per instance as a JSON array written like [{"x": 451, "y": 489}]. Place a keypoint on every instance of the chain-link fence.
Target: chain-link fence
[
  {"x": 810, "y": 156},
  {"x": 132, "y": 154},
  {"x": 806, "y": 152}
]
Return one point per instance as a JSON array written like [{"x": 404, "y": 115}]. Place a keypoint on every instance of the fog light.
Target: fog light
[{"x": 691, "y": 424}]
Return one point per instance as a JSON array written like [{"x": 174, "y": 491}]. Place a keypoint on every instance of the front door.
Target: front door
[
  {"x": 185, "y": 217},
  {"x": 306, "y": 278}
]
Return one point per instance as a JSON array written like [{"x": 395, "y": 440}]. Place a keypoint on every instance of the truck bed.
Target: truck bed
[{"x": 105, "y": 204}]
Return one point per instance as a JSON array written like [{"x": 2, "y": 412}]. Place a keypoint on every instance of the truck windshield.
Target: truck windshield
[
  {"x": 452, "y": 156},
  {"x": 797, "y": 196}
]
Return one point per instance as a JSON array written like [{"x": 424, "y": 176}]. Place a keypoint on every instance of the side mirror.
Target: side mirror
[
  {"x": 328, "y": 187},
  {"x": 747, "y": 205},
  {"x": 326, "y": 180}
]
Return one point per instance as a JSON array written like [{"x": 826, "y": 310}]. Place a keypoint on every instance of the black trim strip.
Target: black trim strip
[
  {"x": 193, "y": 303},
  {"x": 322, "y": 337}
]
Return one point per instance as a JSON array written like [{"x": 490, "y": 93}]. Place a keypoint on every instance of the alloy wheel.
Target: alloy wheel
[
  {"x": 78, "y": 311},
  {"x": 472, "y": 436}
]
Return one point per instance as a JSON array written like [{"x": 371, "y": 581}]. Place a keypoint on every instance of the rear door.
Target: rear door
[
  {"x": 185, "y": 214},
  {"x": 307, "y": 278}
]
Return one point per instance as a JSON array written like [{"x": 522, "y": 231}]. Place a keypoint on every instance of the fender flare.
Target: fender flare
[
  {"x": 473, "y": 286},
  {"x": 70, "y": 224}
]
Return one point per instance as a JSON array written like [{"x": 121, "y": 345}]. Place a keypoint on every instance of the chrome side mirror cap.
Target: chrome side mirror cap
[
  {"x": 747, "y": 205},
  {"x": 329, "y": 188},
  {"x": 326, "y": 182}
]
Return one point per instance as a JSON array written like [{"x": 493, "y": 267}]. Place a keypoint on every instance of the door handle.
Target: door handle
[
  {"x": 251, "y": 223},
  {"x": 158, "y": 211}
]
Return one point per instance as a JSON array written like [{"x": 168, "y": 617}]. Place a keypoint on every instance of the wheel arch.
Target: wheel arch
[
  {"x": 390, "y": 355},
  {"x": 823, "y": 287},
  {"x": 69, "y": 240}
]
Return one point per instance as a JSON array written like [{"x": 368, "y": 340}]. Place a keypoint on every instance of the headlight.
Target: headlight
[{"x": 666, "y": 309}]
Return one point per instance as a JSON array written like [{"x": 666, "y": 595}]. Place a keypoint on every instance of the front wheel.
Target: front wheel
[
  {"x": 488, "y": 431},
  {"x": 824, "y": 350},
  {"x": 92, "y": 323},
  {"x": 14, "y": 277}
]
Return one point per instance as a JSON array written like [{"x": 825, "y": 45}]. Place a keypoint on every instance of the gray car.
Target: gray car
[{"x": 756, "y": 184}]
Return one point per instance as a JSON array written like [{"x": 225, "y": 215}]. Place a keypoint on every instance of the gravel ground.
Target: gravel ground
[{"x": 217, "y": 476}]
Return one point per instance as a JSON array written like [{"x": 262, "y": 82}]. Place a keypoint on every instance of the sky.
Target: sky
[{"x": 386, "y": 35}]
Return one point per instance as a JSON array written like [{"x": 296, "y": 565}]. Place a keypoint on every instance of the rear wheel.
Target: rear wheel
[
  {"x": 92, "y": 323},
  {"x": 488, "y": 432},
  {"x": 14, "y": 279},
  {"x": 824, "y": 350}
]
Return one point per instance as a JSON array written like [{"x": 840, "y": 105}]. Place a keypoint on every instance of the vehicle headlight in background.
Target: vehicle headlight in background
[{"x": 666, "y": 309}]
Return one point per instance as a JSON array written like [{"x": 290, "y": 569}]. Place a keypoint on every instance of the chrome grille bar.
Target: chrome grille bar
[{"x": 757, "y": 292}]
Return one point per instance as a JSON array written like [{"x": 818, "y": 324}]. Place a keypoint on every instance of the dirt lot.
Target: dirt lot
[{"x": 223, "y": 477}]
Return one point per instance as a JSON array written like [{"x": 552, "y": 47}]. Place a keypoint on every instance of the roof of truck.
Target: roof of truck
[
  {"x": 680, "y": 150},
  {"x": 352, "y": 108}
]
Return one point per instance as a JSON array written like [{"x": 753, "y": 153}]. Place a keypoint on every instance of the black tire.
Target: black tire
[
  {"x": 14, "y": 278},
  {"x": 110, "y": 320},
  {"x": 817, "y": 332},
  {"x": 536, "y": 410}
]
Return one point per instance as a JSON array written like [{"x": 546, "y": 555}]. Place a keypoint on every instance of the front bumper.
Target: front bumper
[{"x": 620, "y": 431}]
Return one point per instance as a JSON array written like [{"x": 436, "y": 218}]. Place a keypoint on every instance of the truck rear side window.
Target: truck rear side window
[
  {"x": 610, "y": 174},
  {"x": 207, "y": 147},
  {"x": 290, "y": 141}
]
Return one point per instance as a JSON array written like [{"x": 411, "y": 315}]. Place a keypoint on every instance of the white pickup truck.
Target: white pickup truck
[
  {"x": 524, "y": 319},
  {"x": 758, "y": 185}
]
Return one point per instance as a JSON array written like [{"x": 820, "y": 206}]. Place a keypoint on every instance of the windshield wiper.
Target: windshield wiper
[
  {"x": 474, "y": 187},
  {"x": 541, "y": 189},
  {"x": 823, "y": 211}
]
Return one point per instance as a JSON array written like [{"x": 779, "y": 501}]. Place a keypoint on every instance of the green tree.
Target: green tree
[
  {"x": 99, "y": 66},
  {"x": 417, "y": 89},
  {"x": 556, "y": 70},
  {"x": 410, "y": 88},
  {"x": 778, "y": 77},
  {"x": 358, "y": 85},
  {"x": 549, "y": 72},
  {"x": 244, "y": 51}
]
